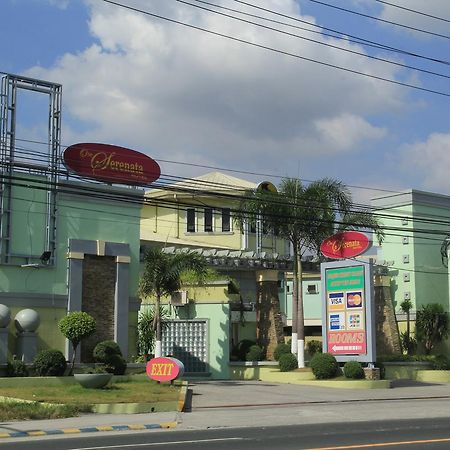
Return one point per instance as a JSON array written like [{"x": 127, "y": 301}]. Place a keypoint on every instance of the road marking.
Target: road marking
[
  {"x": 383, "y": 444},
  {"x": 153, "y": 444}
]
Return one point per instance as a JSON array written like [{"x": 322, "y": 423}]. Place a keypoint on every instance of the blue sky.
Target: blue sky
[{"x": 185, "y": 96}]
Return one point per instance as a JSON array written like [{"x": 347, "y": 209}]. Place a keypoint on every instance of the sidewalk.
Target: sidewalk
[{"x": 227, "y": 403}]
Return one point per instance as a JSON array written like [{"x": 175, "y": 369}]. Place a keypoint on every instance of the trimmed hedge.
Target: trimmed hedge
[
  {"x": 255, "y": 353},
  {"x": 324, "y": 366},
  {"x": 16, "y": 368},
  {"x": 354, "y": 370},
  {"x": 50, "y": 363},
  {"x": 288, "y": 362},
  {"x": 109, "y": 354},
  {"x": 281, "y": 349}
]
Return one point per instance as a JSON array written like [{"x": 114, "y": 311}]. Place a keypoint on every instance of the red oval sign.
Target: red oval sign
[
  {"x": 345, "y": 245},
  {"x": 164, "y": 369},
  {"x": 111, "y": 163}
]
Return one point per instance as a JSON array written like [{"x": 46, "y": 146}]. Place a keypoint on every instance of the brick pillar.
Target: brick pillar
[
  {"x": 387, "y": 335},
  {"x": 99, "y": 285},
  {"x": 269, "y": 326}
]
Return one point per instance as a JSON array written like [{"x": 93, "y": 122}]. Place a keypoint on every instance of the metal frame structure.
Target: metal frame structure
[{"x": 11, "y": 164}]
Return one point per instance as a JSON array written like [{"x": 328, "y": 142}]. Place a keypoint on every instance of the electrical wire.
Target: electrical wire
[
  {"x": 197, "y": 186},
  {"x": 345, "y": 35},
  {"x": 415, "y": 11},
  {"x": 379, "y": 19},
  {"x": 278, "y": 51},
  {"x": 315, "y": 41}
]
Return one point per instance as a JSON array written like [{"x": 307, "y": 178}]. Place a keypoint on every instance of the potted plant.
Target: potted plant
[{"x": 96, "y": 378}]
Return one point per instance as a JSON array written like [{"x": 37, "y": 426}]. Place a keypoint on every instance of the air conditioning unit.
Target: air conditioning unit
[{"x": 179, "y": 298}]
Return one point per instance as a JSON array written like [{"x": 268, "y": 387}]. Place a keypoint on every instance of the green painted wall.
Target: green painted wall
[{"x": 78, "y": 217}]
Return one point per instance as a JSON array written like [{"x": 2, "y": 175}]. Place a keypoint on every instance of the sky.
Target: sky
[{"x": 191, "y": 99}]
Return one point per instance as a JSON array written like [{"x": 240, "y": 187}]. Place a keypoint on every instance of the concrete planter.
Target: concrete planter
[
  {"x": 404, "y": 370},
  {"x": 93, "y": 380}
]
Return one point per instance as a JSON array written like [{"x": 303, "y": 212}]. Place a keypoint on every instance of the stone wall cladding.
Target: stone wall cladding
[
  {"x": 269, "y": 321},
  {"x": 99, "y": 280}
]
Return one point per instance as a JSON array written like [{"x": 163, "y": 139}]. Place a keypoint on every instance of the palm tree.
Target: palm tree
[
  {"x": 162, "y": 277},
  {"x": 305, "y": 215}
]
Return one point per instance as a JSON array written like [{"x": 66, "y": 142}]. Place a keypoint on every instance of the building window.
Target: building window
[
  {"x": 226, "y": 222},
  {"x": 190, "y": 220},
  {"x": 208, "y": 219},
  {"x": 312, "y": 289}
]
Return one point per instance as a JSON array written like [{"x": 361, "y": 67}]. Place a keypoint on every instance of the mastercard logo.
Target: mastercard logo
[{"x": 354, "y": 300}]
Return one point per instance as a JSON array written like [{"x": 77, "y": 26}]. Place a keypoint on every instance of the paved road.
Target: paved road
[{"x": 218, "y": 405}]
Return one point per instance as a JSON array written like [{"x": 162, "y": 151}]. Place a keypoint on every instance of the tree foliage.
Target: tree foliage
[
  {"x": 305, "y": 215},
  {"x": 76, "y": 326},
  {"x": 432, "y": 325},
  {"x": 163, "y": 276}
]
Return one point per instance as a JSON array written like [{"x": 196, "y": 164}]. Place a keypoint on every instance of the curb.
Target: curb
[{"x": 33, "y": 433}]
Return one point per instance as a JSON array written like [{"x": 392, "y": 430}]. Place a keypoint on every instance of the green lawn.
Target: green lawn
[
  {"x": 72, "y": 399},
  {"x": 141, "y": 390}
]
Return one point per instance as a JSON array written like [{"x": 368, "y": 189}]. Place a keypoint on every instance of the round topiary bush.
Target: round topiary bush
[
  {"x": 324, "y": 366},
  {"x": 16, "y": 368},
  {"x": 288, "y": 362},
  {"x": 255, "y": 353},
  {"x": 50, "y": 363},
  {"x": 281, "y": 349},
  {"x": 109, "y": 354},
  {"x": 354, "y": 370},
  {"x": 103, "y": 350}
]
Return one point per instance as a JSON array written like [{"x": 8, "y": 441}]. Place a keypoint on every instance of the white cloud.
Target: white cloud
[
  {"x": 179, "y": 93},
  {"x": 346, "y": 131},
  {"x": 430, "y": 161}
]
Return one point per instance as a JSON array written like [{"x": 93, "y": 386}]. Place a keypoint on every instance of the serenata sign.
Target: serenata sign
[
  {"x": 345, "y": 245},
  {"x": 165, "y": 369},
  {"x": 111, "y": 163}
]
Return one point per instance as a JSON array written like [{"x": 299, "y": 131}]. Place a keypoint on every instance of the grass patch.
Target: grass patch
[
  {"x": 13, "y": 410},
  {"x": 139, "y": 390}
]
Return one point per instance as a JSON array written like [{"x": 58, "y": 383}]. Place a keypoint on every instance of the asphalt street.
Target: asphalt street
[{"x": 228, "y": 406}]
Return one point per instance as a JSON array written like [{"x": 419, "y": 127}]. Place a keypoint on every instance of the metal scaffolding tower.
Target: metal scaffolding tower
[{"x": 13, "y": 165}]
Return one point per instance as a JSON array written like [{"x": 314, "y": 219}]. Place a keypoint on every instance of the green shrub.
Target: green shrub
[
  {"x": 281, "y": 349},
  {"x": 313, "y": 347},
  {"x": 441, "y": 362},
  {"x": 288, "y": 362},
  {"x": 16, "y": 368},
  {"x": 105, "y": 349},
  {"x": 324, "y": 366},
  {"x": 50, "y": 363},
  {"x": 255, "y": 353},
  {"x": 109, "y": 354},
  {"x": 242, "y": 348},
  {"x": 354, "y": 370}
]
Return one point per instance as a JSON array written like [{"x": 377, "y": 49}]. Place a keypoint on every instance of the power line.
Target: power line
[
  {"x": 344, "y": 35},
  {"x": 244, "y": 172},
  {"x": 415, "y": 11},
  {"x": 94, "y": 194},
  {"x": 281, "y": 52},
  {"x": 351, "y": 11},
  {"x": 315, "y": 41}
]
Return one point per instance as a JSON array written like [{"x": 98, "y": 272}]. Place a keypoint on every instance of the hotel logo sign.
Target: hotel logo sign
[
  {"x": 111, "y": 164},
  {"x": 347, "y": 244}
]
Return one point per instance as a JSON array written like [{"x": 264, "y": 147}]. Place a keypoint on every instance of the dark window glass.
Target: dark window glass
[
  {"x": 190, "y": 219},
  {"x": 208, "y": 219},
  {"x": 226, "y": 222}
]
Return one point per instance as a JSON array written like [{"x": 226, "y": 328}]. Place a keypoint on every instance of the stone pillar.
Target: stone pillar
[
  {"x": 269, "y": 325},
  {"x": 26, "y": 346},
  {"x": 386, "y": 329},
  {"x": 3, "y": 345}
]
